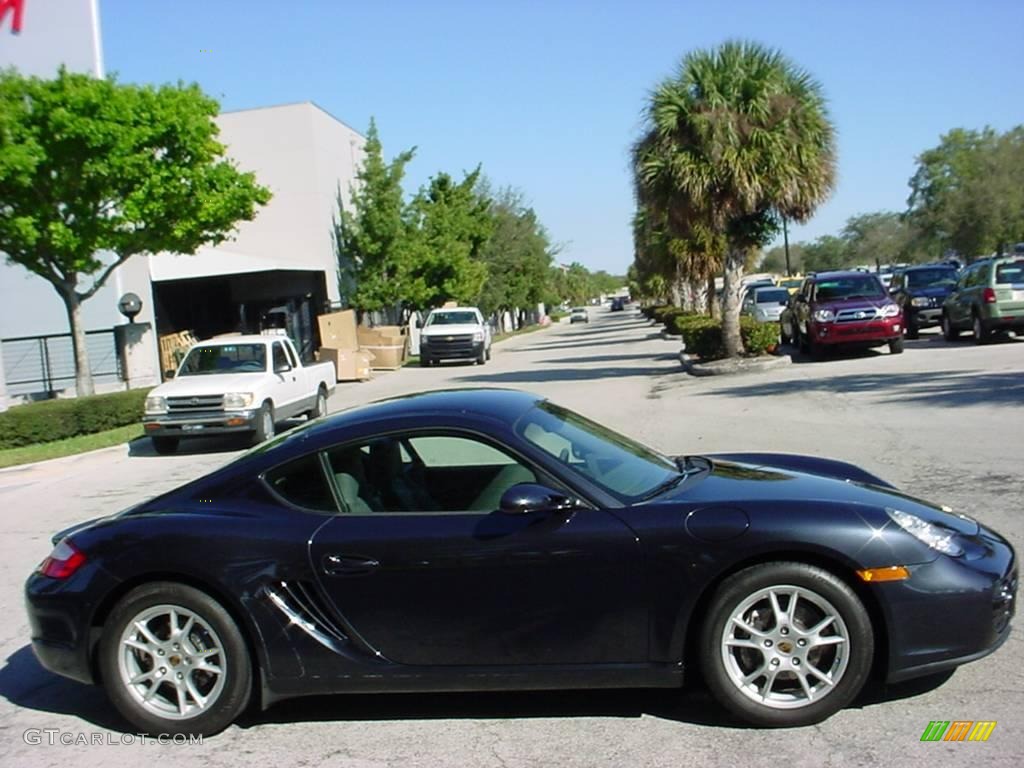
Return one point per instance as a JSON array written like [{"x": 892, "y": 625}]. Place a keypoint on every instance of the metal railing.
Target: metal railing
[{"x": 43, "y": 365}]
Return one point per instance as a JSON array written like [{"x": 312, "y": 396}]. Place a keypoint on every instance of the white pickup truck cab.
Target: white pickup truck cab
[
  {"x": 455, "y": 333},
  {"x": 236, "y": 384}
]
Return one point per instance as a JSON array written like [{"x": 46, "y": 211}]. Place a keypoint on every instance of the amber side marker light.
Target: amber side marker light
[{"x": 889, "y": 573}]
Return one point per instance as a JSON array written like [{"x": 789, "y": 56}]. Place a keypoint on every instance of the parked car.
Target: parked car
[
  {"x": 988, "y": 298},
  {"x": 920, "y": 292},
  {"x": 236, "y": 384},
  {"x": 491, "y": 540},
  {"x": 618, "y": 304},
  {"x": 842, "y": 309},
  {"x": 579, "y": 315},
  {"x": 455, "y": 333},
  {"x": 765, "y": 303},
  {"x": 791, "y": 284}
]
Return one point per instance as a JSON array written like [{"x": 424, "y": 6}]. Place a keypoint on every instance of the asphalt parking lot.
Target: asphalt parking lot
[{"x": 942, "y": 421}]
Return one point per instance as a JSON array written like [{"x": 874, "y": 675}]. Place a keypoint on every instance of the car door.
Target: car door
[
  {"x": 960, "y": 301},
  {"x": 288, "y": 384},
  {"x": 428, "y": 572}
]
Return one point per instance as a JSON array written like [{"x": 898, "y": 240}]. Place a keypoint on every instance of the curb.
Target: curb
[
  {"x": 64, "y": 459},
  {"x": 732, "y": 366}
]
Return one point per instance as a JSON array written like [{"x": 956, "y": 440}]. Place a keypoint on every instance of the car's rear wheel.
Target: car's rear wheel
[
  {"x": 164, "y": 445},
  {"x": 785, "y": 644},
  {"x": 173, "y": 661},
  {"x": 981, "y": 332},
  {"x": 896, "y": 346},
  {"x": 949, "y": 333},
  {"x": 320, "y": 407}
]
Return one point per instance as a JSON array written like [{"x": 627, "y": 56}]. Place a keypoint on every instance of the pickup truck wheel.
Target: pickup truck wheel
[
  {"x": 165, "y": 446},
  {"x": 320, "y": 408},
  {"x": 425, "y": 362},
  {"x": 264, "y": 424},
  {"x": 482, "y": 359},
  {"x": 489, "y": 350}
]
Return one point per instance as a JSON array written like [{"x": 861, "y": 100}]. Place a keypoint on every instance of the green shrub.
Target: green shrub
[
  {"x": 50, "y": 420},
  {"x": 671, "y": 317},
  {"x": 702, "y": 336}
]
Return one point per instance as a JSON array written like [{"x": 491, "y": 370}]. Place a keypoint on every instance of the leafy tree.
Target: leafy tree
[
  {"x": 93, "y": 172},
  {"x": 449, "y": 225},
  {"x": 775, "y": 259},
  {"x": 372, "y": 236},
  {"x": 879, "y": 238},
  {"x": 517, "y": 255},
  {"x": 825, "y": 253},
  {"x": 737, "y": 137}
]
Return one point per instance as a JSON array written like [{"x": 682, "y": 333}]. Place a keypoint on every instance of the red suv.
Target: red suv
[{"x": 849, "y": 309}]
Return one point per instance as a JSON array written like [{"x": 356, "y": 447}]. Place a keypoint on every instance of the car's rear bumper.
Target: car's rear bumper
[
  {"x": 198, "y": 424},
  {"x": 869, "y": 333},
  {"x": 997, "y": 318},
  {"x": 951, "y": 611}
]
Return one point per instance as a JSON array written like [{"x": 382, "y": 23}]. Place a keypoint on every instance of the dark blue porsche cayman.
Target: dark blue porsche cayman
[{"x": 489, "y": 539}]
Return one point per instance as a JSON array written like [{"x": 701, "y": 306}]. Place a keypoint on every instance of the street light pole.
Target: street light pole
[{"x": 785, "y": 242}]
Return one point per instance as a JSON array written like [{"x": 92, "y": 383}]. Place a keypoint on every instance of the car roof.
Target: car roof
[
  {"x": 940, "y": 265},
  {"x": 834, "y": 274},
  {"x": 454, "y": 309},
  {"x": 249, "y": 338}
]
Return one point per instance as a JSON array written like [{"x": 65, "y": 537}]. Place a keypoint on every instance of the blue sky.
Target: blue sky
[{"x": 549, "y": 95}]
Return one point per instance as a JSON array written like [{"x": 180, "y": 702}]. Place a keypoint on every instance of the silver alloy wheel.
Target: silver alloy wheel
[
  {"x": 785, "y": 647},
  {"x": 321, "y": 404},
  {"x": 171, "y": 662}
]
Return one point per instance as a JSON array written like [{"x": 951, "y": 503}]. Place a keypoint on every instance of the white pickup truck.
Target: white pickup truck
[
  {"x": 236, "y": 384},
  {"x": 455, "y": 333}
]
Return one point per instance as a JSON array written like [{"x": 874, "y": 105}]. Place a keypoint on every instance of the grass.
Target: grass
[
  {"x": 73, "y": 445},
  {"x": 525, "y": 329}
]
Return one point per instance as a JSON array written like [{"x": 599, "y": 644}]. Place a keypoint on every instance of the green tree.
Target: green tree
[
  {"x": 825, "y": 253},
  {"x": 449, "y": 225},
  {"x": 879, "y": 238},
  {"x": 372, "y": 235},
  {"x": 739, "y": 136},
  {"x": 93, "y": 172}
]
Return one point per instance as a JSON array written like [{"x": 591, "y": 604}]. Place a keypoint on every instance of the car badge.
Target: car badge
[
  {"x": 194, "y": 401},
  {"x": 449, "y": 338},
  {"x": 861, "y": 315}
]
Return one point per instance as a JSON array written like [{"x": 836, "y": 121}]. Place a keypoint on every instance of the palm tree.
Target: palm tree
[{"x": 737, "y": 137}]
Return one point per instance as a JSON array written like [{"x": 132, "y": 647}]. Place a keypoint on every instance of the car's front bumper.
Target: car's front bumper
[
  {"x": 952, "y": 610},
  {"x": 868, "y": 333},
  {"x": 198, "y": 424},
  {"x": 451, "y": 351},
  {"x": 924, "y": 317}
]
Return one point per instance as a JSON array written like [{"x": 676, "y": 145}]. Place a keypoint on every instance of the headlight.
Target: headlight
[
  {"x": 478, "y": 336},
  {"x": 824, "y": 315},
  {"x": 920, "y": 301},
  {"x": 935, "y": 537},
  {"x": 235, "y": 400},
  {"x": 156, "y": 404},
  {"x": 890, "y": 310}
]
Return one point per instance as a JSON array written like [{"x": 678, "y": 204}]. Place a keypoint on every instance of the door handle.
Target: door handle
[{"x": 348, "y": 565}]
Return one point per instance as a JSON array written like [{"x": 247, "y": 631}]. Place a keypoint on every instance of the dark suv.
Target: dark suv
[
  {"x": 920, "y": 292},
  {"x": 848, "y": 309},
  {"x": 988, "y": 297}
]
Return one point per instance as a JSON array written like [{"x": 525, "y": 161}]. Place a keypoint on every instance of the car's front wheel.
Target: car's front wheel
[
  {"x": 173, "y": 661},
  {"x": 785, "y": 644},
  {"x": 896, "y": 346},
  {"x": 264, "y": 429}
]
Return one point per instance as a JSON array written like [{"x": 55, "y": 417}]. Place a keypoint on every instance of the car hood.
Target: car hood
[
  {"x": 837, "y": 304},
  {"x": 451, "y": 330},
  {"x": 932, "y": 291},
  {"x": 785, "y": 477},
  {"x": 206, "y": 384}
]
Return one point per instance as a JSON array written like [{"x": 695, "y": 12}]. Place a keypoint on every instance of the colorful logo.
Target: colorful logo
[
  {"x": 958, "y": 730},
  {"x": 17, "y": 7}
]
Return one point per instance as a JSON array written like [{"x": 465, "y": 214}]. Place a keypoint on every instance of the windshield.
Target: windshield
[
  {"x": 771, "y": 296},
  {"x": 233, "y": 358},
  {"x": 849, "y": 287},
  {"x": 452, "y": 318},
  {"x": 790, "y": 283},
  {"x": 622, "y": 467},
  {"x": 1011, "y": 272},
  {"x": 922, "y": 278}
]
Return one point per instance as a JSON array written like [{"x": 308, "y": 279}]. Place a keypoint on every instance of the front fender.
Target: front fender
[{"x": 812, "y": 465}]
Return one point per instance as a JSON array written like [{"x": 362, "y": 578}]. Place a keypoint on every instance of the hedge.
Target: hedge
[
  {"x": 50, "y": 420},
  {"x": 702, "y": 336}
]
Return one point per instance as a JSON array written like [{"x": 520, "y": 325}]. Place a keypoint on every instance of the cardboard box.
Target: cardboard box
[
  {"x": 387, "y": 357},
  {"x": 338, "y": 330},
  {"x": 384, "y": 336},
  {"x": 349, "y": 364}
]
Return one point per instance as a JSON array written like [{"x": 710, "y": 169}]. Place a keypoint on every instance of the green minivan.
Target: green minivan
[{"x": 989, "y": 297}]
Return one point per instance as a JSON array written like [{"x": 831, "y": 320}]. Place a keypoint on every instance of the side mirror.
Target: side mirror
[
  {"x": 169, "y": 373},
  {"x": 524, "y": 498}
]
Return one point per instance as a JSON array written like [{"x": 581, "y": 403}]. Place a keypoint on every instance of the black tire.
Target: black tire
[
  {"x": 425, "y": 362},
  {"x": 320, "y": 407},
  {"x": 802, "y": 342},
  {"x": 230, "y": 690},
  {"x": 722, "y": 668},
  {"x": 911, "y": 330},
  {"x": 949, "y": 333},
  {"x": 488, "y": 352},
  {"x": 981, "y": 332},
  {"x": 164, "y": 445},
  {"x": 896, "y": 346},
  {"x": 264, "y": 424},
  {"x": 783, "y": 336},
  {"x": 482, "y": 358}
]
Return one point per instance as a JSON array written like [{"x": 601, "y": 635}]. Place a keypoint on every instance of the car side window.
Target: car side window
[
  {"x": 302, "y": 482},
  {"x": 280, "y": 358},
  {"x": 290, "y": 354},
  {"x": 424, "y": 474}
]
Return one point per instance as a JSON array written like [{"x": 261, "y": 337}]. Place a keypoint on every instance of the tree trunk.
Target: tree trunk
[
  {"x": 83, "y": 376},
  {"x": 714, "y": 311},
  {"x": 734, "y": 261}
]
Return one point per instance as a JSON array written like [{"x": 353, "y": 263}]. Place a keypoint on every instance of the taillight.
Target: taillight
[
  {"x": 989, "y": 296},
  {"x": 63, "y": 561}
]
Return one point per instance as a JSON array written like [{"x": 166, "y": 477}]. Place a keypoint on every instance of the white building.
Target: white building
[{"x": 284, "y": 259}]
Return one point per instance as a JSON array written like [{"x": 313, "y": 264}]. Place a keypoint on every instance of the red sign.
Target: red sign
[{"x": 17, "y": 6}]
